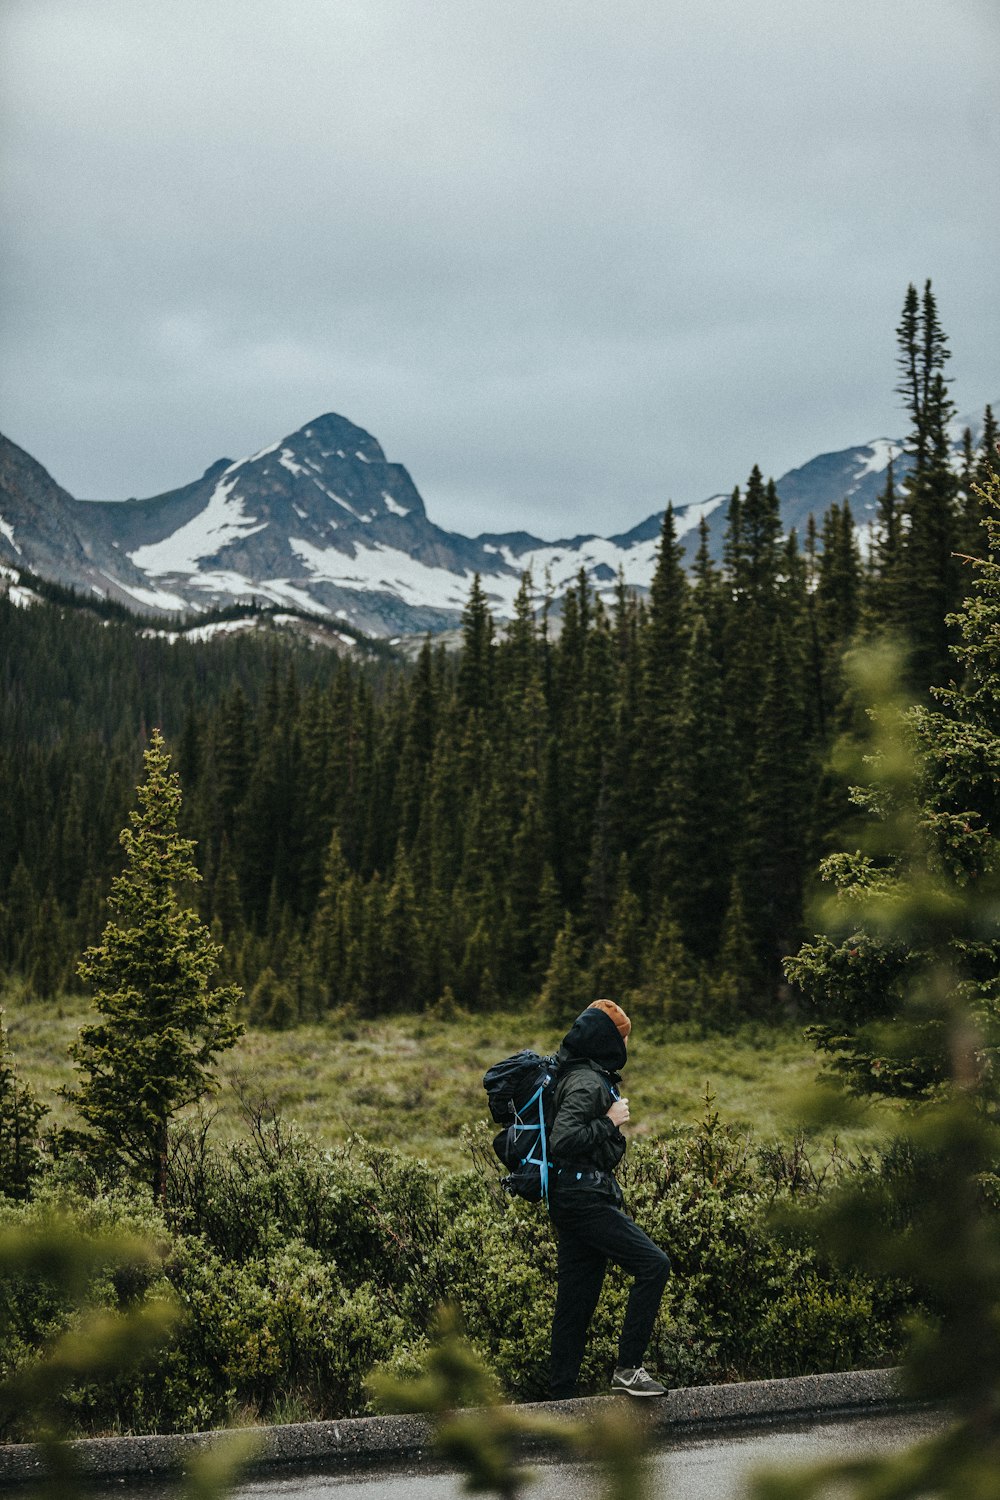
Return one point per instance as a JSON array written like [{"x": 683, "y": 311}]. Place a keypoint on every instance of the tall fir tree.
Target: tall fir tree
[
  {"x": 162, "y": 1023},
  {"x": 706, "y": 821},
  {"x": 21, "y": 1113},
  {"x": 663, "y": 641},
  {"x": 778, "y": 806},
  {"x": 929, "y": 572}
]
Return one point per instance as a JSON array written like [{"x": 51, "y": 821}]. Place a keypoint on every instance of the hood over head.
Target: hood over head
[{"x": 594, "y": 1035}]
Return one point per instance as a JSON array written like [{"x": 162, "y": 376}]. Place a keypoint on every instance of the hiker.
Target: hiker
[{"x": 586, "y": 1206}]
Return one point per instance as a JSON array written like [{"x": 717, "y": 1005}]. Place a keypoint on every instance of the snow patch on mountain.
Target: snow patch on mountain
[
  {"x": 385, "y": 568},
  {"x": 7, "y": 530},
  {"x": 158, "y": 599},
  {"x": 221, "y": 522},
  {"x": 874, "y": 458},
  {"x": 13, "y": 589},
  {"x": 287, "y": 461},
  {"x": 602, "y": 558},
  {"x": 203, "y": 632},
  {"x": 261, "y": 453},
  {"x": 227, "y": 584},
  {"x": 560, "y": 564},
  {"x": 691, "y": 516}
]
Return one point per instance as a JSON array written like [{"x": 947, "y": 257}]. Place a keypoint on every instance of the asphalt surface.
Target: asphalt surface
[
  {"x": 399, "y": 1449},
  {"x": 715, "y": 1467}
]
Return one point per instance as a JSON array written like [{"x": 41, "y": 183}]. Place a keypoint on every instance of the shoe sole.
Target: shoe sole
[{"x": 623, "y": 1390}]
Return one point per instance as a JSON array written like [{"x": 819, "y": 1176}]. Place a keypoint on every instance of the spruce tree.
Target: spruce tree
[
  {"x": 618, "y": 963},
  {"x": 566, "y": 980},
  {"x": 20, "y": 1116},
  {"x": 664, "y": 642},
  {"x": 403, "y": 970},
  {"x": 988, "y": 459},
  {"x": 778, "y": 804},
  {"x": 856, "y": 985},
  {"x": 162, "y": 1023},
  {"x": 475, "y": 673},
  {"x": 738, "y": 969},
  {"x": 884, "y": 602},
  {"x": 705, "y": 826},
  {"x": 331, "y": 935},
  {"x": 929, "y": 575},
  {"x": 668, "y": 988}
]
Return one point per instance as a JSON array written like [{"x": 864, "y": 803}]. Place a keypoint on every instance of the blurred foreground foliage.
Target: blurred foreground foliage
[
  {"x": 484, "y": 1442},
  {"x": 929, "y": 1215},
  {"x": 107, "y": 1313}
]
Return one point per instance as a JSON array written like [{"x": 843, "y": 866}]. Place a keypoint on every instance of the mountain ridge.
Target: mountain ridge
[{"x": 321, "y": 520}]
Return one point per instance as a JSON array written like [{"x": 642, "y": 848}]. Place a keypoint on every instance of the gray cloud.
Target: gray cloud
[{"x": 565, "y": 261}]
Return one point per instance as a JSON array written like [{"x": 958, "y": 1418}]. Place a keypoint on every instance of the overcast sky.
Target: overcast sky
[{"x": 564, "y": 259}]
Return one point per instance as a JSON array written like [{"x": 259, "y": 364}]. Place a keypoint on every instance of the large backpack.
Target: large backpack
[{"x": 520, "y": 1091}]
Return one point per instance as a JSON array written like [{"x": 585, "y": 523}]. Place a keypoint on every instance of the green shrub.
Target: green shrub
[{"x": 298, "y": 1271}]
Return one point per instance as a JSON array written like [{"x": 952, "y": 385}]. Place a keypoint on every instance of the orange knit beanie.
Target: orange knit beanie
[{"x": 616, "y": 1013}]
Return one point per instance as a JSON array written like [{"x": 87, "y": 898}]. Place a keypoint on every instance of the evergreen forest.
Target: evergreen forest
[{"x": 628, "y": 798}]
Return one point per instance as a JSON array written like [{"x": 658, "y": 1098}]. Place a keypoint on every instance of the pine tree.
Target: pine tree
[
  {"x": 885, "y": 603},
  {"x": 978, "y": 464},
  {"x": 705, "y": 828},
  {"x": 944, "y": 818},
  {"x": 566, "y": 980},
  {"x": 20, "y": 1116},
  {"x": 403, "y": 970},
  {"x": 836, "y": 607},
  {"x": 668, "y": 990},
  {"x": 331, "y": 935},
  {"x": 773, "y": 855},
  {"x": 418, "y": 744},
  {"x": 988, "y": 459},
  {"x": 908, "y": 360},
  {"x": 664, "y": 642},
  {"x": 618, "y": 964},
  {"x": 930, "y": 582},
  {"x": 475, "y": 673},
  {"x": 753, "y": 565},
  {"x": 761, "y": 533},
  {"x": 528, "y": 872},
  {"x": 272, "y": 1002},
  {"x": 162, "y": 1024},
  {"x": 710, "y": 588},
  {"x": 546, "y": 923},
  {"x": 738, "y": 967}
]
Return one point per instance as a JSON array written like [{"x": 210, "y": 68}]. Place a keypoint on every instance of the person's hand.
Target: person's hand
[{"x": 618, "y": 1113}]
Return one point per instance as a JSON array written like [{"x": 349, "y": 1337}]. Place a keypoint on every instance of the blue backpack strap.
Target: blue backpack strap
[{"x": 542, "y": 1160}]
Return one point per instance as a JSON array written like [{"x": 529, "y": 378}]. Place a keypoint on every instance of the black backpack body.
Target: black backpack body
[{"x": 520, "y": 1091}]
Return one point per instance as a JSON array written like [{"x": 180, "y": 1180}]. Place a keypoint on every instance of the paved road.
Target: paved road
[{"x": 715, "y": 1468}]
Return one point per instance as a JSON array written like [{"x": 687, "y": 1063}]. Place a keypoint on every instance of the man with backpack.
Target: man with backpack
[{"x": 586, "y": 1206}]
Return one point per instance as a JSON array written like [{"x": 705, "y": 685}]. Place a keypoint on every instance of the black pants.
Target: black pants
[{"x": 589, "y": 1235}]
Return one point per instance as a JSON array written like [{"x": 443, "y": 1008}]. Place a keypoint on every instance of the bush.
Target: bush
[{"x": 298, "y": 1271}]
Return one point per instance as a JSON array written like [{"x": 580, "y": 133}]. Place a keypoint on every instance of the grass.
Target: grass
[{"x": 413, "y": 1082}]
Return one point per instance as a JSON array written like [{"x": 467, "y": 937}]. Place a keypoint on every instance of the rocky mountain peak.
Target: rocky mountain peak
[{"x": 321, "y": 521}]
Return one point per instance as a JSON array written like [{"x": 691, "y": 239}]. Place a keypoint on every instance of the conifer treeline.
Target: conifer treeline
[{"x": 628, "y": 799}]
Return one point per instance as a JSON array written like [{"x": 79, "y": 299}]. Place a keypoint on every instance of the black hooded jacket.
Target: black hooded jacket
[{"x": 591, "y": 1056}]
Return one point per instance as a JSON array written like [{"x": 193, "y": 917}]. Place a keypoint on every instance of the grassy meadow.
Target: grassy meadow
[{"x": 413, "y": 1082}]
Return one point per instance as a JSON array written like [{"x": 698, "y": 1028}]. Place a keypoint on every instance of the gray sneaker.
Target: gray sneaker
[{"x": 636, "y": 1383}]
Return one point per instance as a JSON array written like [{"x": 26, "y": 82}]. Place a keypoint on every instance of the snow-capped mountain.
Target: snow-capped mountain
[{"x": 322, "y": 521}]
